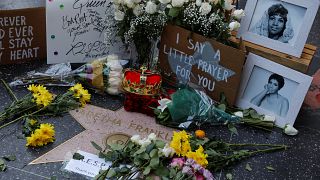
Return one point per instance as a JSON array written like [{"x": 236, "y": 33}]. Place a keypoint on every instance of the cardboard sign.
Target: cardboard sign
[
  {"x": 22, "y": 35},
  {"x": 79, "y": 31},
  {"x": 188, "y": 57}
]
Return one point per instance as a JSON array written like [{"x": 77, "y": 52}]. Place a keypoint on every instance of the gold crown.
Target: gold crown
[{"x": 142, "y": 82}]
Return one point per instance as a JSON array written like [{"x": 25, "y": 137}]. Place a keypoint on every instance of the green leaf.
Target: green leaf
[
  {"x": 154, "y": 153},
  {"x": 154, "y": 162},
  {"x": 77, "y": 156},
  {"x": 125, "y": 170},
  {"x": 229, "y": 176},
  {"x": 270, "y": 168},
  {"x": 141, "y": 150},
  {"x": 248, "y": 168},
  {"x": 9, "y": 158},
  {"x": 144, "y": 156},
  {"x": 2, "y": 165},
  {"x": 96, "y": 146},
  {"x": 222, "y": 107},
  {"x": 147, "y": 170},
  {"x": 149, "y": 178},
  {"x": 160, "y": 144},
  {"x": 162, "y": 171},
  {"x": 233, "y": 129},
  {"x": 111, "y": 173},
  {"x": 174, "y": 12},
  {"x": 53, "y": 178}
]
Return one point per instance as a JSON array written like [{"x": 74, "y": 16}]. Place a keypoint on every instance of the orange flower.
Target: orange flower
[{"x": 200, "y": 134}]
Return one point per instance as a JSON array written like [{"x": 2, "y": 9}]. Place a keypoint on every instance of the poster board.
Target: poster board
[
  {"x": 79, "y": 31},
  {"x": 189, "y": 57},
  {"x": 22, "y": 35}
]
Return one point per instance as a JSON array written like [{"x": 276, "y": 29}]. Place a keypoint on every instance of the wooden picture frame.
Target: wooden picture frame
[
  {"x": 290, "y": 35},
  {"x": 259, "y": 91}
]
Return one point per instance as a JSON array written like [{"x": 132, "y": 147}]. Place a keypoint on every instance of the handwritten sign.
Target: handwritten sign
[
  {"x": 81, "y": 30},
  {"x": 89, "y": 166},
  {"x": 22, "y": 35},
  {"x": 188, "y": 57}
]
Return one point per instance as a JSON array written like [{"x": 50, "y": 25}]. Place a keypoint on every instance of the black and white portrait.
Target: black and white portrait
[
  {"x": 270, "y": 91},
  {"x": 277, "y": 20}
]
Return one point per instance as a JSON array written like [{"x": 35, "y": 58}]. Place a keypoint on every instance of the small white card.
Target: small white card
[{"x": 89, "y": 166}]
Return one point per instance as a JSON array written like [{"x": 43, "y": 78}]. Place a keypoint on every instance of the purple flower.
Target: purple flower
[
  {"x": 190, "y": 162},
  {"x": 197, "y": 167},
  {"x": 207, "y": 174},
  {"x": 187, "y": 170}
]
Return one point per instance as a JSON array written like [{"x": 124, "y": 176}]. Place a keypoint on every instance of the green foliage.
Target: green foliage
[
  {"x": 10, "y": 158},
  {"x": 2, "y": 165},
  {"x": 77, "y": 156}
]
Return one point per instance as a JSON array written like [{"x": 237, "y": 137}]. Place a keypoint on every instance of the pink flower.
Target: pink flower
[
  {"x": 177, "y": 162},
  {"x": 199, "y": 176}
]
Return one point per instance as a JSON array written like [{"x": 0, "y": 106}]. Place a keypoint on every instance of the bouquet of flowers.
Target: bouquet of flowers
[
  {"x": 40, "y": 102},
  {"x": 201, "y": 109},
  {"x": 213, "y": 19},
  {"x": 140, "y": 22},
  {"x": 102, "y": 75},
  {"x": 185, "y": 157}
]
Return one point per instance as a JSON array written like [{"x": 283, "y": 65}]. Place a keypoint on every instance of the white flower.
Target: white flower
[
  {"x": 205, "y": 8},
  {"x": 135, "y": 139},
  {"x": 177, "y": 3},
  {"x": 163, "y": 104},
  {"x": 151, "y": 7},
  {"x": 239, "y": 114},
  {"x": 112, "y": 57},
  {"x": 169, "y": 6},
  {"x": 198, "y": 2},
  {"x": 137, "y": 10},
  {"x": 233, "y": 26},
  {"x": 227, "y": 5},
  {"x": 137, "y": 1},
  {"x": 165, "y": 1},
  {"x": 269, "y": 118},
  {"x": 129, "y": 3},
  {"x": 215, "y": 2},
  {"x": 118, "y": 15},
  {"x": 152, "y": 137},
  {"x": 238, "y": 14},
  {"x": 290, "y": 130},
  {"x": 144, "y": 142},
  {"x": 167, "y": 151}
]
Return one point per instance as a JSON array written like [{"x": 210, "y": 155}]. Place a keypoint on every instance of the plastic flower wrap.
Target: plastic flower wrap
[
  {"x": 199, "y": 108},
  {"x": 102, "y": 75}
]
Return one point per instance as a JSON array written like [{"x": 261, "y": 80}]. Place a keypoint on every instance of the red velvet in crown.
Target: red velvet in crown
[{"x": 141, "y": 82}]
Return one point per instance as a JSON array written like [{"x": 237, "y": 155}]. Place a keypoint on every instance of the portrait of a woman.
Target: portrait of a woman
[
  {"x": 270, "y": 99},
  {"x": 275, "y": 24}
]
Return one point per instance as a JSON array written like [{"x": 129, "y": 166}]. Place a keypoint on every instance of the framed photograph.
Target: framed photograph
[
  {"x": 282, "y": 25},
  {"x": 272, "y": 89}
]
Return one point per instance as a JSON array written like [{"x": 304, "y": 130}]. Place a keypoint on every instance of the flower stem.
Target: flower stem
[
  {"x": 270, "y": 145},
  {"x": 21, "y": 117},
  {"x": 9, "y": 90}
]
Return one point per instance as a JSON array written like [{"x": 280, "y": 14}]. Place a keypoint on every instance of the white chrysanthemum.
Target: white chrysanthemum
[
  {"x": 129, "y": 3},
  {"x": 167, "y": 151},
  {"x": 137, "y": 10},
  {"x": 239, "y": 114},
  {"x": 152, "y": 137},
  {"x": 135, "y": 139},
  {"x": 151, "y": 7},
  {"x": 118, "y": 15},
  {"x": 165, "y": 1},
  {"x": 198, "y": 2},
  {"x": 177, "y": 3},
  {"x": 205, "y": 8},
  {"x": 144, "y": 142},
  {"x": 238, "y": 14},
  {"x": 290, "y": 130},
  {"x": 233, "y": 26}
]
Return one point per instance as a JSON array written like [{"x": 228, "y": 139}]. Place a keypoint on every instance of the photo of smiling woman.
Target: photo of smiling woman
[
  {"x": 275, "y": 24},
  {"x": 270, "y": 99}
]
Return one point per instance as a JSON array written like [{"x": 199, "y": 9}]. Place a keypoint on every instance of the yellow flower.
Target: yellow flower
[
  {"x": 42, "y": 136},
  {"x": 32, "y": 88},
  {"x": 180, "y": 143},
  {"x": 199, "y": 156},
  {"x": 84, "y": 96},
  {"x": 32, "y": 122},
  {"x": 76, "y": 89}
]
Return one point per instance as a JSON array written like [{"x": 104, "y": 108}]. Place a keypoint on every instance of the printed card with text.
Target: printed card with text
[{"x": 81, "y": 30}]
